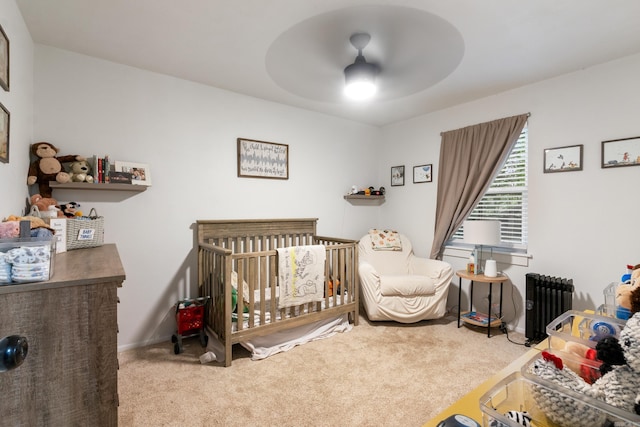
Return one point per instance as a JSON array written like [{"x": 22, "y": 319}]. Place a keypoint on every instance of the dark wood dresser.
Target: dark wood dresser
[{"x": 70, "y": 374}]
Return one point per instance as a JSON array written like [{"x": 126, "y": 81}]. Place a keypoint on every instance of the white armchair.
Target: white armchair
[{"x": 397, "y": 285}]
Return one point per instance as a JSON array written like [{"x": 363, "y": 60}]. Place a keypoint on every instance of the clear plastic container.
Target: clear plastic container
[
  {"x": 548, "y": 405},
  {"x": 25, "y": 260},
  {"x": 582, "y": 328},
  {"x": 610, "y": 306}
]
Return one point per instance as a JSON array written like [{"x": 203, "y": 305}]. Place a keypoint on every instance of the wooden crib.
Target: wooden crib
[{"x": 244, "y": 252}]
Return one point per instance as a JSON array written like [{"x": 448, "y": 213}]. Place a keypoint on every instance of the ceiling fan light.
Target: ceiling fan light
[
  {"x": 360, "y": 80},
  {"x": 360, "y": 90}
]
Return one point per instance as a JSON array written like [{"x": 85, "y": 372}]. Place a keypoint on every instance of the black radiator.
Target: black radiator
[{"x": 547, "y": 298}]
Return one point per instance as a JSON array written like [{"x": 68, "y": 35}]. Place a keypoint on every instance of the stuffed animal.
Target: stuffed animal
[
  {"x": 48, "y": 167},
  {"x": 623, "y": 301},
  {"x": 45, "y": 204},
  {"x": 80, "y": 171},
  {"x": 70, "y": 209},
  {"x": 623, "y": 292},
  {"x": 620, "y": 387}
]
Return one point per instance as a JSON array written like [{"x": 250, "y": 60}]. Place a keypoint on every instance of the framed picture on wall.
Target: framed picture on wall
[
  {"x": 563, "y": 159},
  {"x": 261, "y": 159},
  {"x": 422, "y": 173},
  {"x": 621, "y": 152},
  {"x": 4, "y": 134},
  {"x": 4, "y": 60},
  {"x": 397, "y": 175}
]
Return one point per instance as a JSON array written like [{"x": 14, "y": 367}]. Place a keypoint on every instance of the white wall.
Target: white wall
[
  {"x": 187, "y": 133},
  {"x": 582, "y": 225},
  {"x": 19, "y": 102}
]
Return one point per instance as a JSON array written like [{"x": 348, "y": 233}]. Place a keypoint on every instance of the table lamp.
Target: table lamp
[{"x": 483, "y": 233}]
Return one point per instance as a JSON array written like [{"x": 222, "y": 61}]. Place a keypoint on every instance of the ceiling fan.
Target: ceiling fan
[{"x": 360, "y": 77}]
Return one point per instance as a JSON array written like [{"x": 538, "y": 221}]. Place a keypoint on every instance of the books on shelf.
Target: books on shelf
[
  {"x": 478, "y": 318},
  {"x": 106, "y": 171},
  {"x": 102, "y": 168}
]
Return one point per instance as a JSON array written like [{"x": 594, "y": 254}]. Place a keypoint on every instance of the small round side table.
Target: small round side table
[{"x": 475, "y": 318}]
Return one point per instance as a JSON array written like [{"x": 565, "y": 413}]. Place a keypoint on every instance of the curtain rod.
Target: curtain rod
[{"x": 442, "y": 133}]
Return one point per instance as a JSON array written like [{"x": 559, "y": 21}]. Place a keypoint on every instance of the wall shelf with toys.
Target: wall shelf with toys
[{"x": 97, "y": 186}]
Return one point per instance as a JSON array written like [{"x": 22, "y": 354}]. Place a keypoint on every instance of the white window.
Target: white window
[{"x": 506, "y": 199}]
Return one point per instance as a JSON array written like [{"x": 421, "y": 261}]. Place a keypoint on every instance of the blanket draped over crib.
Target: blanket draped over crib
[{"x": 301, "y": 274}]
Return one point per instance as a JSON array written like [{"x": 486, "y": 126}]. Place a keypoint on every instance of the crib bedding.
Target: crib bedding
[
  {"x": 233, "y": 252},
  {"x": 277, "y": 342},
  {"x": 267, "y": 345},
  {"x": 294, "y": 311}
]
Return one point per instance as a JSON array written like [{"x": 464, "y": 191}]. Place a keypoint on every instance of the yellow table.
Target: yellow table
[{"x": 469, "y": 404}]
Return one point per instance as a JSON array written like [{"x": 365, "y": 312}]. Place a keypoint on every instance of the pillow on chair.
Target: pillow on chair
[{"x": 385, "y": 240}]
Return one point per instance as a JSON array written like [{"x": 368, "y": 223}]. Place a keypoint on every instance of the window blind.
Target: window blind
[{"x": 506, "y": 198}]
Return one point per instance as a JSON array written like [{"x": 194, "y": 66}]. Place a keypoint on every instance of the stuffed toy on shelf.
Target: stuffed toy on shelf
[{"x": 48, "y": 167}]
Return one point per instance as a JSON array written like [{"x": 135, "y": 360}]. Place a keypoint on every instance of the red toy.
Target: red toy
[{"x": 190, "y": 321}]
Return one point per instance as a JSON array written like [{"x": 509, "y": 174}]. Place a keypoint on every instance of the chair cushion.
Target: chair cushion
[{"x": 406, "y": 285}]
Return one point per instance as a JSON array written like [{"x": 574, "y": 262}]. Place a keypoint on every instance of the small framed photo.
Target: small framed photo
[
  {"x": 621, "y": 152},
  {"x": 140, "y": 172},
  {"x": 397, "y": 175},
  {"x": 421, "y": 173},
  {"x": 4, "y": 134},
  {"x": 4, "y": 60},
  {"x": 563, "y": 159},
  {"x": 261, "y": 159}
]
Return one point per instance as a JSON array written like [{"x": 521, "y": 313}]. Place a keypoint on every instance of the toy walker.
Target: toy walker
[{"x": 190, "y": 321}]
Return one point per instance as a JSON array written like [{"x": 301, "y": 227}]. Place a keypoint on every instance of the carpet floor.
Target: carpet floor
[{"x": 377, "y": 374}]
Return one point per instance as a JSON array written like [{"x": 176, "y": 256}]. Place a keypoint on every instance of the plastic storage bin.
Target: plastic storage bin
[
  {"x": 581, "y": 327},
  {"x": 24, "y": 260},
  {"x": 539, "y": 399},
  {"x": 610, "y": 306}
]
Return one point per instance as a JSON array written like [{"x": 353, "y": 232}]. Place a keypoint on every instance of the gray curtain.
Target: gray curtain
[{"x": 469, "y": 160}]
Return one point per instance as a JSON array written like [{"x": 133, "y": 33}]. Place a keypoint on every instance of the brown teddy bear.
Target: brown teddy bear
[
  {"x": 48, "y": 167},
  {"x": 43, "y": 204}
]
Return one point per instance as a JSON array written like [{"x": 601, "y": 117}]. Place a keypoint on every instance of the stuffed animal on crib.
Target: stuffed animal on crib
[{"x": 48, "y": 167}]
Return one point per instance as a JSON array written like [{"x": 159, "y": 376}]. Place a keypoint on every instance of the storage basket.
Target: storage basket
[
  {"x": 190, "y": 318},
  {"x": 85, "y": 231}
]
